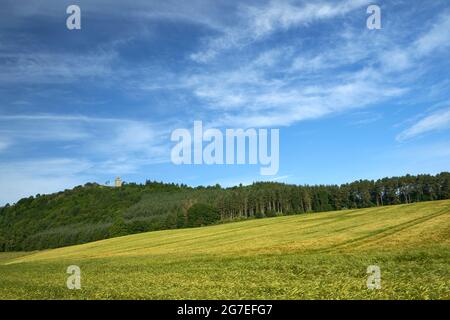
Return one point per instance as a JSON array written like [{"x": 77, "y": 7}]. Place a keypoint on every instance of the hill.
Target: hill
[
  {"x": 93, "y": 212},
  {"x": 309, "y": 256}
]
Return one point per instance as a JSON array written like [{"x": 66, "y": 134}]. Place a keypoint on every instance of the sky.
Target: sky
[{"x": 350, "y": 103}]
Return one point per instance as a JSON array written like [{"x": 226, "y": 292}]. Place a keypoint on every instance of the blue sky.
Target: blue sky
[{"x": 91, "y": 104}]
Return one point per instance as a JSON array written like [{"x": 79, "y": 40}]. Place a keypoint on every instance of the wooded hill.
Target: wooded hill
[{"x": 93, "y": 212}]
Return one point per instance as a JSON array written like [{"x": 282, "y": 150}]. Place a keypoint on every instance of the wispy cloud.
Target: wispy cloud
[
  {"x": 82, "y": 147},
  {"x": 438, "y": 120},
  {"x": 430, "y": 43},
  {"x": 273, "y": 89},
  {"x": 258, "y": 22},
  {"x": 31, "y": 177},
  {"x": 4, "y": 144},
  {"x": 43, "y": 68},
  {"x": 147, "y": 67},
  {"x": 437, "y": 38},
  {"x": 112, "y": 141},
  {"x": 282, "y": 87}
]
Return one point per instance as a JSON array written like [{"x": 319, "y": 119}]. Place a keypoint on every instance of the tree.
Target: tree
[
  {"x": 92, "y": 212},
  {"x": 201, "y": 214},
  {"x": 118, "y": 228}
]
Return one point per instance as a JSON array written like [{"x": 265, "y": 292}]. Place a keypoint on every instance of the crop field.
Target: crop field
[{"x": 308, "y": 256}]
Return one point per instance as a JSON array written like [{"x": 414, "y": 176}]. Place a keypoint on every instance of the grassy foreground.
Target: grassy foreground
[{"x": 309, "y": 256}]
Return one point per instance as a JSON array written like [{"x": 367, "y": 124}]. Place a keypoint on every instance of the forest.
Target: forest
[{"x": 93, "y": 212}]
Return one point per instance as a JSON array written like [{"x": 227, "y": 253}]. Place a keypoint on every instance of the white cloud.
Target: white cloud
[
  {"x": 439, "y": 120},
  {"x": 77, "y": 149},
  {"x": 25, "y": 178},
  {"x": 427, "y": 44},
  {"x": 346, "y": 69},
  {"x": 47, "y": 167},
  {"x": 435, "y": 39},
  {"x": 250, "y": 95},
  {"x": 4, "y": 143},
  {"x": 208, "y": 13},
  {"x": 396, "y": 60},
  {"x": 273, "y": 89},
  {"x": 40, "y": 67},
  {"x": 258, "y": 22},
  {"x": 110, "y": 141},
  {"x": 284, "y": 15}
]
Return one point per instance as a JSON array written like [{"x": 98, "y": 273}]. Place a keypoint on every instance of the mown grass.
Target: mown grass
[{"x": 310, "y": 256}]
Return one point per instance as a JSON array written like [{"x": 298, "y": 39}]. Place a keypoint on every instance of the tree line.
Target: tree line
[
  {"x": 93, "y": 212},
  {"x": 268, "y": 199}
]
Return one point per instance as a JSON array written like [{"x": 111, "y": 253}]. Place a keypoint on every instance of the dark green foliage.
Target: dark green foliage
[
  {"x": 270, "y": 213},
  {"x": 259, "y": 215},
  {"x": 201, "y": 214},
  {"x": 93, "y": 212},
  {"x": 119, "y": 228}
]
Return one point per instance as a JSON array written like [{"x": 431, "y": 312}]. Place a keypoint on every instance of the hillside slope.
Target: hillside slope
[
  {"x": 93, "y": 212},
  {"x": 322, "y": 255}
]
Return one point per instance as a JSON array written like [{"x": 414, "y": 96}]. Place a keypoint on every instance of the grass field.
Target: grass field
[{"x": 309, "y": 256}]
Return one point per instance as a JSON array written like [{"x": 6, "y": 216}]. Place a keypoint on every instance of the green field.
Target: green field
[{"x": 308, "y": 256}]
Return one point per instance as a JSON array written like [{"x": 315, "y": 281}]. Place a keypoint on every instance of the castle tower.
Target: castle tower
[{"x": 118, "y": 182}]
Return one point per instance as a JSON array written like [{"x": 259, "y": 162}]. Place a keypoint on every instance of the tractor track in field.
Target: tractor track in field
[{"x": 383, "y": 233}]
